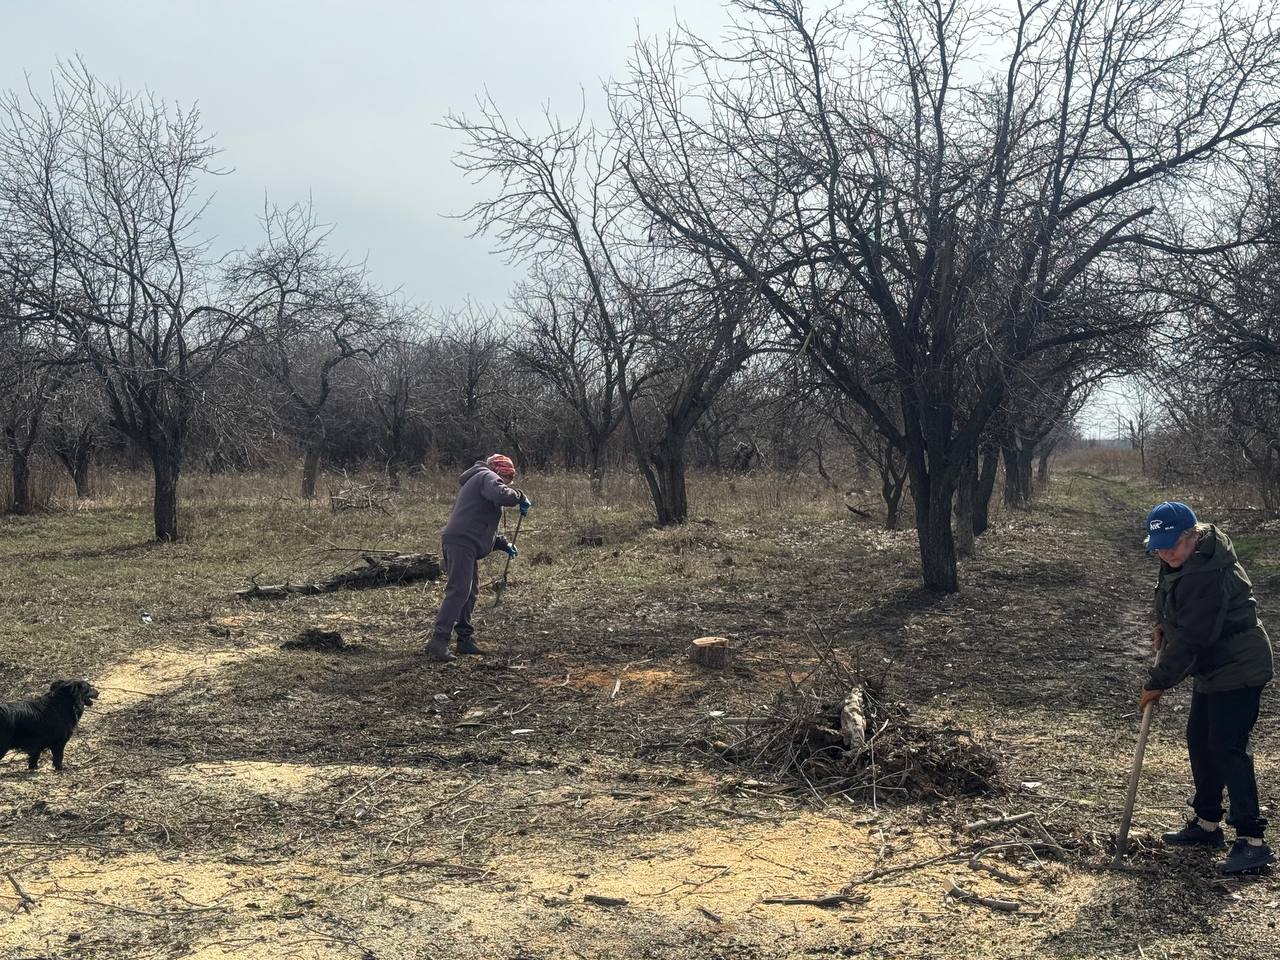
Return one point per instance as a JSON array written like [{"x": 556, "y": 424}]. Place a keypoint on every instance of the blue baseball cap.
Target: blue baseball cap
[{"x": 1166, "y": 523}]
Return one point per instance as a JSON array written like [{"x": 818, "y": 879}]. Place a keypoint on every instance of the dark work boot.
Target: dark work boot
[
  {"x": 467, "y": 646},
  {"x": 1246, "y": 857},
  {"x": 438, "y": 650},
  {"x": 1194, "y": 835}
]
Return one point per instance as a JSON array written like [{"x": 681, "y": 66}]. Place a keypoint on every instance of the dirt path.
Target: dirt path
[{"x": 229, "y": 798}]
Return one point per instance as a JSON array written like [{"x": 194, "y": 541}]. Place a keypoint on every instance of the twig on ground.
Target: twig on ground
[
  {"x": 959, "y": 893},
  {"x": 24, "y": 898},
  {"x": 831, "y": 900},
  {"x": 999, "y": 821}
]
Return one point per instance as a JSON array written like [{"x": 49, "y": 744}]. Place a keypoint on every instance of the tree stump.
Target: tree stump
[
  {"x": 853, "y": 719},
  {"x": 710, "y": 651}
]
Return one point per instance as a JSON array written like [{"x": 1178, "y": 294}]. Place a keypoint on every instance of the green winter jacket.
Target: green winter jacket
[{"x": 1210, "y": 620}]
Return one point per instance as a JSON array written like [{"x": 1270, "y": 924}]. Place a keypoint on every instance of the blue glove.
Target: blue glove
[
  {"x": 525, "y": 504},
  {"x": 512, "y": 552}
]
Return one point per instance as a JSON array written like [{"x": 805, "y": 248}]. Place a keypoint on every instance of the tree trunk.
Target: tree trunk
[
  {"x": 23, "y": 502},
  {"x": 1017, "y": 472},
  {"x": 1026, "y": 460},
  {"x": 77, "y": 457},
  {"x": 311, "y": 469},
  {"x": 1042, "y": 472},
  {"x": 597, "y": 451},
  {"x": 167, "y": 465},
  {"x": 966, "y": 507},
  {"x": 891, "y": 487},
  {"x": 671, "y": 504},
  {"x": 82, "y": 474},
  {"x": 937, "y": 546},
  {"x": 822, "y": 467},
  {"x": 986, "y": 488}
]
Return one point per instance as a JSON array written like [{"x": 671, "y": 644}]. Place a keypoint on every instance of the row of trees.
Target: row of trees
[
  {"x": 871, "y": 228},
  {"x": 118, "y": 324},
  {"x": 958, "y": 235}
]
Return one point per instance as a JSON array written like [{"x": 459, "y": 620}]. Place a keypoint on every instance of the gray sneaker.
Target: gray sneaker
[
  {"x": 1194, "y": 835},
  {"x": 1246, "y": 857}
]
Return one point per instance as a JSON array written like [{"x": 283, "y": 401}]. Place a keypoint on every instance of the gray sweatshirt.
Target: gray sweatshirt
[{"x": 478, "y": 510}]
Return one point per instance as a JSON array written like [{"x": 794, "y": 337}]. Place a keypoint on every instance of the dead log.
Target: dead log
[
  {"x": 379, "y": 570},
  {"x": 710, "y": 651}
]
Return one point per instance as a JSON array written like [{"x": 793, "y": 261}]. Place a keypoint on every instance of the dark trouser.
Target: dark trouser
[
  {"x": 460, "y": 592},
  {"x": 1218, "y": 740}
]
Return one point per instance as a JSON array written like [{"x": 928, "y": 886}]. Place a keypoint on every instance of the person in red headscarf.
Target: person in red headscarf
[{"x": 471, "y": 535}]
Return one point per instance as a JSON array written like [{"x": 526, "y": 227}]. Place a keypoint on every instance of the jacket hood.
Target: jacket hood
[
  {"x": 1214, "y": 552},
  {"x": 471, "y": 471}
]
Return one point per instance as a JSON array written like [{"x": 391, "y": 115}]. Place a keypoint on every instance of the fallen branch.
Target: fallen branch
[
  {"x": 890, "y": 871},
  {"x": 959, "y": 893},
  {"x": 832, "y": 900},
  {"x": 976, "y": 864},
  {"x": 23, "y": 897},
  {"x": 999, "y": 821},
  {"x": 379, "y": 570}
]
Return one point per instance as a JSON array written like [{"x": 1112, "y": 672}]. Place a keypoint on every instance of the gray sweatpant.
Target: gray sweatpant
[{"x": 460, "y": 591}]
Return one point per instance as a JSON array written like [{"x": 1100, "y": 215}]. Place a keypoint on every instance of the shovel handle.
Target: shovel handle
[
  {"x": 502, "y": 584},
  {"x": 1126, "y": 819}
]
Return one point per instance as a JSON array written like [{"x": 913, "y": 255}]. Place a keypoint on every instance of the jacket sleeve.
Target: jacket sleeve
[
  {"x": 1201, "y": 609},
  {"x": 498, "y": 492}
]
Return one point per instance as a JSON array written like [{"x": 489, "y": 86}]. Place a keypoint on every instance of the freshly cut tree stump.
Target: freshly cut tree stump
[
  {"x": 379, "y": 570},
  {"x": 710, "y": 651}
]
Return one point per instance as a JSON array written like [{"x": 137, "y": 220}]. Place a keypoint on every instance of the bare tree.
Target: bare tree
[
  {"x": 28, "y": 381},
  {"x": 310, "y": 314},
  {"x": 396, "y": 383},
  {"x": 99, "y": 186},
  {"x": 564, "y": 342},
  {"x": 560, "y": 198},
  {"x": 916, "y": 202},
  {"x": 74, "y": 424}
]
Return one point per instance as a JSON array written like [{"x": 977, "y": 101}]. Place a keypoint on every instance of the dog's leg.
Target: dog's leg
[
  {"x": 56, "y": 750},
  {"x": 33, "y": 760}
]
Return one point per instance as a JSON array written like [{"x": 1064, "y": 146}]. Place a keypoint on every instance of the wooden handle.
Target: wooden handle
[
  {"x": 502, "y": 584},
  {"x": 1122, "y": 838}
]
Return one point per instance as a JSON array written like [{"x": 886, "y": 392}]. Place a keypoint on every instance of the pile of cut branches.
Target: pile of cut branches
[{"x": 837, "y": 733}]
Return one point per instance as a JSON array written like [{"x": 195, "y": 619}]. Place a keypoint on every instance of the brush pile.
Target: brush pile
[{"x": 838, "y": 734}]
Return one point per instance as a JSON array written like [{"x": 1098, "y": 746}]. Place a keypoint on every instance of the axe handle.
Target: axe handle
[{"x": 1122, "y": 838}]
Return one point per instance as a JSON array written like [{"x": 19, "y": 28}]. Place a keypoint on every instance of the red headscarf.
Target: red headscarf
[{"x": 503, "y": 466}]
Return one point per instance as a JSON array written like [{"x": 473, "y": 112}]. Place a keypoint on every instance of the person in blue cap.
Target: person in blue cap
[{"x": 1205, "y": 624}]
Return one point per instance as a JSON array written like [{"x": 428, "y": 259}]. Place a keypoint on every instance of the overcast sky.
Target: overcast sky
[{"x": 341, "y": 101}]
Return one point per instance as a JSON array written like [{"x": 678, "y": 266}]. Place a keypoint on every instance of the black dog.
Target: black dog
[{"x": 45, "y": 722}]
